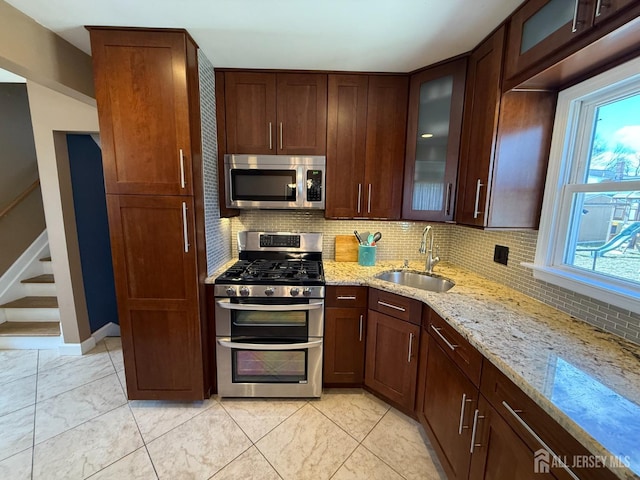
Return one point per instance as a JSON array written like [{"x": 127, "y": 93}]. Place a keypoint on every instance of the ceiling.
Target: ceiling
[{"x": 356, "y": 35}]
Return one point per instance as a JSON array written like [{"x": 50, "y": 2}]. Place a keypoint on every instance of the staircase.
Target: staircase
[{"x": 32, "y": 320}]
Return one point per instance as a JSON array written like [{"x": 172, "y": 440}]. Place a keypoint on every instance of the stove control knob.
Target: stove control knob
[
  {"x": 231, "y": 291},
  {"x": 306, "y": 292},
  {"x": 244, "y": 291},
  {"x": 269, "y": 292},
  {"x": 294, "y": 292}
]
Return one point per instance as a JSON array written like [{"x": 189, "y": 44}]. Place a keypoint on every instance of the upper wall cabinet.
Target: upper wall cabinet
[
  {"x": 436, "y": 98},
  {"x": 504, "y": 148},
  {"x": 269, "y": 113},
  {"x": 365, "y": 145},
  {"x": 142, "y": 155},
  {"x": 543, "y": 32}
]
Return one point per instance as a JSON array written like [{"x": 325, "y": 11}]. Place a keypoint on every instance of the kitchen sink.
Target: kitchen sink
[{"x": 415, "y": 279}]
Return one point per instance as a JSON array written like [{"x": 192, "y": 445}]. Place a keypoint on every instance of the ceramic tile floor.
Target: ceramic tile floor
[{"x": 68, "y": 418}]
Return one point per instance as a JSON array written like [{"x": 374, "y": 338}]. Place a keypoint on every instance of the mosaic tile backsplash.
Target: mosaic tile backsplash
[
  {"x": 467, "y": 247},
  {"x": 217, "y": 230}
]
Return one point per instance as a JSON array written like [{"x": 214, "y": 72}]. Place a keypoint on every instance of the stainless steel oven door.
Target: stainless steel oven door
[
  {"x": 269, "y": 370},
  {"x": 276, "y": 318}
]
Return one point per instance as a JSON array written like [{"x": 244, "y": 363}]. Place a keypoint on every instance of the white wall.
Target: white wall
[{"x": 53, "y": 115}]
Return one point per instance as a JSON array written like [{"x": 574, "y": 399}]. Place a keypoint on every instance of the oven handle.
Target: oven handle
[
  {"x": 226, "y": 304},
  {"x": 226, "y": 342}
]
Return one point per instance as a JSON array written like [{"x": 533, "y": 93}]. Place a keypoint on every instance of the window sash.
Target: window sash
[{"x": 572, "y": 141}]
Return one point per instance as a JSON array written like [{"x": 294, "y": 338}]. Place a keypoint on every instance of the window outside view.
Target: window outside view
[{"x": 605, "y": 227}]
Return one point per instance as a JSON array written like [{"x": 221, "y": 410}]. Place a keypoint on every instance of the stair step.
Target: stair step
[
  {"x": 33, "y": 302},
  {"x": 45, "y": 259},
  {"x": 45, "y": 278},
  {"x": 30, "y": 329}
]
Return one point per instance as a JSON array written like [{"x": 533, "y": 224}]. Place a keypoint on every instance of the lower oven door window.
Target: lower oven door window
[{"x": 270, "y": 366}]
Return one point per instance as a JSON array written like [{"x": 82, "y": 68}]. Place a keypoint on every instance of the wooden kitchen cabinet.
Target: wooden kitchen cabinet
[
  {"x": 391, "y": 364},
  {"x": 504, "y": 147},
  {"x": 147, "y": 120},
  {"x": 449, "y": 400},
  {"x": 545, "y": 32},
  {"x": 481, "y": 425},
  {"x": 147, "y": 91},
  {"x": 365, "y": 145},
  {"x": 498, "y": 452},
  {"x": 275, "y": 113},
  {"x": 448, "y": 394},
  {"x": 436, "y": 99},
  {"x": 157, "y": 290},
  {"x": 344, "y": 336}
]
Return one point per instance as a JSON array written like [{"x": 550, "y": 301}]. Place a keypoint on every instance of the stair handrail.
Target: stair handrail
[{"x": 16, "y": 201}]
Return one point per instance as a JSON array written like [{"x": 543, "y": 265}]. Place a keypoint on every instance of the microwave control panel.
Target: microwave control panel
[{"x": 314, "y": 185}]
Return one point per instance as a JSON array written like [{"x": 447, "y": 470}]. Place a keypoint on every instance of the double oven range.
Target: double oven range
[{"x": 269, "y": 316}]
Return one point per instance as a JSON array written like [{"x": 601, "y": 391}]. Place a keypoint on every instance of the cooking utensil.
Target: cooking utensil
[
  {"x": 369, "y": 239},
  {"x": 358, "y": 237},
  {"x": 376, "y": 237},
  {"x": 364, "y": 236}
]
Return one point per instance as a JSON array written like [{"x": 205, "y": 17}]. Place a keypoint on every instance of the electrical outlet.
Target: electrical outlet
[{"x": 501, "y": 254}]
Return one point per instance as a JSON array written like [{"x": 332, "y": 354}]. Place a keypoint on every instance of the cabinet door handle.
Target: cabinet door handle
[
  {"x": 476, "y": 212},
  {"x": 447, "y": 200},
  {"x": 182, "y": 180},
  {"x": 526, "y": 426},
  {"x": 361, "y": 326},
  {"x": 346, "y": 297},
  {"x": 281, "y": 136},
  {"x": 599, "y": 6},
  {"x": 184, "y": 227},
  {"x": 476, "y": 417},
  {"x": 574, "y": 25},
  {"x": 369, "y": 201},
  {"x": 359, "y": 195},
  {"x": 270, "y": 137},
  {"x": 410, "y": 348},
  {"x": 395, "y": 307},
  {"x": 449, "y": 344},
  {"x": 461, "y": 425}
]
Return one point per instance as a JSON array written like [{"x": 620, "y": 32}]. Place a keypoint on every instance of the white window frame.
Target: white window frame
[{"x": 571, "y": 140}]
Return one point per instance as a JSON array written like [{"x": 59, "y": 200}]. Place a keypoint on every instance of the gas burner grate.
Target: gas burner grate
[{"x": 274, "y": 271}]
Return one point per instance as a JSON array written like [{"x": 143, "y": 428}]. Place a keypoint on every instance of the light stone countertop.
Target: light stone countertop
[{"x": 586, "y": 379}]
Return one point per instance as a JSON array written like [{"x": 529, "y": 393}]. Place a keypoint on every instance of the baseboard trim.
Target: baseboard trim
[
  {"x": 109, "y": 330},
  {"x": 77, "y": 348},
  {"x": 31, "y": 254}
]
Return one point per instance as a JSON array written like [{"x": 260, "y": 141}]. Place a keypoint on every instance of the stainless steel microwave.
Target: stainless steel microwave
[{"x": 275, "y": 181}]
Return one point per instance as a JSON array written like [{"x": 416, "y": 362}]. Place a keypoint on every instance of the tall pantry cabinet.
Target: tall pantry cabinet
[{"x": 149, "y": 111}]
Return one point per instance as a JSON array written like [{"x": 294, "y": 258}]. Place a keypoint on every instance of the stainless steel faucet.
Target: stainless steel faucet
[{"x": 431, "y": 261}]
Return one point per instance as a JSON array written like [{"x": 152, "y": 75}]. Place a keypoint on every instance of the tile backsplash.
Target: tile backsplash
[
  {"x": 464, "y": 246},
  {"x": 217, "y": 230},
  {"x": 473, "y": 249},
  {"x": 400, "y": 240}
]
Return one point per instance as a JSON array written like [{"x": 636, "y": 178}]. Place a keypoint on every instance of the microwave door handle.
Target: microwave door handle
[
  {"x": 226, "y": 304},
  {"x": 226, "y": 342}
]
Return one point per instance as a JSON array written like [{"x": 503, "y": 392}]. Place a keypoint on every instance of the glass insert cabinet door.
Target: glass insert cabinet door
[
  {"x": 541, "y": 27},
  {"x": 433, "y": 141}
]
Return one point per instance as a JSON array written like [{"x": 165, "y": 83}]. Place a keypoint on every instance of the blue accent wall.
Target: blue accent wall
[{"x": 87, "y": 180}]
